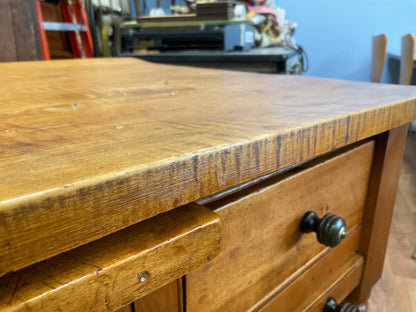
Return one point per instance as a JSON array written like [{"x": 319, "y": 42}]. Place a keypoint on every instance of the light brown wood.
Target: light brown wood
[
  {"x": 304, "y": 293},
  {"x": 341, "y": 288},
  {"x": 92, "y": 146},
  {"x": 116, "y": 270},
  {"x": 166, "y": 299},
  {"x": 407, "y": 59},
  {"x": 379, "y": 207},
  {"x": 262, "y": 243},
  {"x": 395, "y": 291},
  {"x": 127, "y": 308},
  {"x": 378, "y": 57}
]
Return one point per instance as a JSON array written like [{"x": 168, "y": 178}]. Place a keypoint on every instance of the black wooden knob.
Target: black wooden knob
[
  {"x": 330, "y": 230},
  {"x": 332, "y": 306}
]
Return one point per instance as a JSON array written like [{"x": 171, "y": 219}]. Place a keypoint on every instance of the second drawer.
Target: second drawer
[{"x": 262, "y": 243}]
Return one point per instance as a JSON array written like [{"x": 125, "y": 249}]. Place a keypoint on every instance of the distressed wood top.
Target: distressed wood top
[{"x": 88, "y": 147}]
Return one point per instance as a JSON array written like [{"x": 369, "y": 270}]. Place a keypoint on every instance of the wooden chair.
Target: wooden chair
[
  {"x": 407, "y": 59},
  {"x": 379, "y": 49},
  {"x": 406, "y": 65}
]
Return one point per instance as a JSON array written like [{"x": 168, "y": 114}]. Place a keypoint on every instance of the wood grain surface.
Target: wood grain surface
[
  {"x": 116, "y": 270},
  {"x": 26, "y": 30},
  {"x": 396, "y": 290},
  {"x": 340, "y": 288},
  {"x": 7, "y": 41},
  {"x": 19, "y": 35},
  {"x": 378, "y": 57},
  {"x": 407, "y": 59},
  {"x": 166, "y": 299},
  {"x": 88, "y": 147},
  {"x": 379, "y": 207},
  {"x": 304, "y": 292},
  {"x": 127, "y": 308},
  {"x": 263, "y": 245}
]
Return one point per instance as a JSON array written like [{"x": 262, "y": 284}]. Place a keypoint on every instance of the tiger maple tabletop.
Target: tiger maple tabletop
[{"x": 89, "y": 147}]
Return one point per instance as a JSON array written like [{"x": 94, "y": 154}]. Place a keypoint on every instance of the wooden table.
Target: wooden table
[{"x": 124, "y": 181}]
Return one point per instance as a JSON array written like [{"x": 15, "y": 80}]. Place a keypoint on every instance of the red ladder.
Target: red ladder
[{"x": 75, "y": 23}]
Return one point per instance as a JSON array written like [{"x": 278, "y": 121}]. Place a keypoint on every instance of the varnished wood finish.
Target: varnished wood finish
[
  {"x": 395, "y": 291},
  {"x": 166, "y": 299},
  {"x": 19, "y": 35},
  {"x": 340, "y": 288},
  {"x": 379, "y": 207},
  {"x": 262, "y": 244},
  {"x": 306, "y": 291},
  {"x": 105, "y": 275},
  {"x": 378, "y": 57},
  {"x": 7, "y": 43},
  {"x": 127, "y": 308},
  {"x": 407, "y": 59},
  {"x": 103, "y": 144}
]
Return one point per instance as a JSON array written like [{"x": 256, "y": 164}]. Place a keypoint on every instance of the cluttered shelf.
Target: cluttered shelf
[
  {"x": 209, "y": 34},
  {"x": 220, "y": 34},
  {"x": 265, "y": 60}
]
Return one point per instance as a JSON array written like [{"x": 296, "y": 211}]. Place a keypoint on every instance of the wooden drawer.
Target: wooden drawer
[
  {"x": 118, "y": 269},
  {"x": 337, "y": 273},
  {"x": 262, "y": 243}
]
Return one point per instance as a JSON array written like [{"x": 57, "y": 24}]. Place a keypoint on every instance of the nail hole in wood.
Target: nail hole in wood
[{"x": 143, "y": 276}]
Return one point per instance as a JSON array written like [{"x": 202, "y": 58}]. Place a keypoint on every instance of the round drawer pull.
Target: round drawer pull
[
  {"x": 330, "y": 230},
  {"x": 332, "y": 306}
]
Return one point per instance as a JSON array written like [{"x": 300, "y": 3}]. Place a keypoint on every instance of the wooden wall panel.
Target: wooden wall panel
[
  {"x": 19, "y": 31},
  {"x": 26, "y": 30},
  {"x": 7, "y": 42}
]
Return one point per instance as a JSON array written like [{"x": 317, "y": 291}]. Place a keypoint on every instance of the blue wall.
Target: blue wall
[{"x": 337, "y": 34}]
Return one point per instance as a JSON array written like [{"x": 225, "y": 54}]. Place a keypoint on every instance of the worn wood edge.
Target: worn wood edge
[
  {"x": 234, "y": 195},
  {"x": 352, "y": 235},
  {"x": 126, "y": 308},
  {"x": 41, "y": 211},
  {"x": 341, "y": 287},
  {"x": 93, "y": 280},
  {"x": 381, "y": 197},
  {"x": 281, "y": 173}
]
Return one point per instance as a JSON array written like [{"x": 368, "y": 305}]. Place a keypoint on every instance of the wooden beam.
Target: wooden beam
[
  {"x": 7, "y": 42},
  {"x": 379, "y": 207},
  {"x": 118, "y": 269},
  {"x": 26, "y": 30}
]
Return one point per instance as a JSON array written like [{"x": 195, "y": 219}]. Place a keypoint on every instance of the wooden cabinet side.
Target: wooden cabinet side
[{"x": 379, "y": 207}]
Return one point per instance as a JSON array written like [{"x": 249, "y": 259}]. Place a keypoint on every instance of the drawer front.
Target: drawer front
[
  {"x": 341, "y": 289},
  {"x": 108, "y": 274},
  {"x": 337, "y": 273},
  {"x": 262, "y": 244}
]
